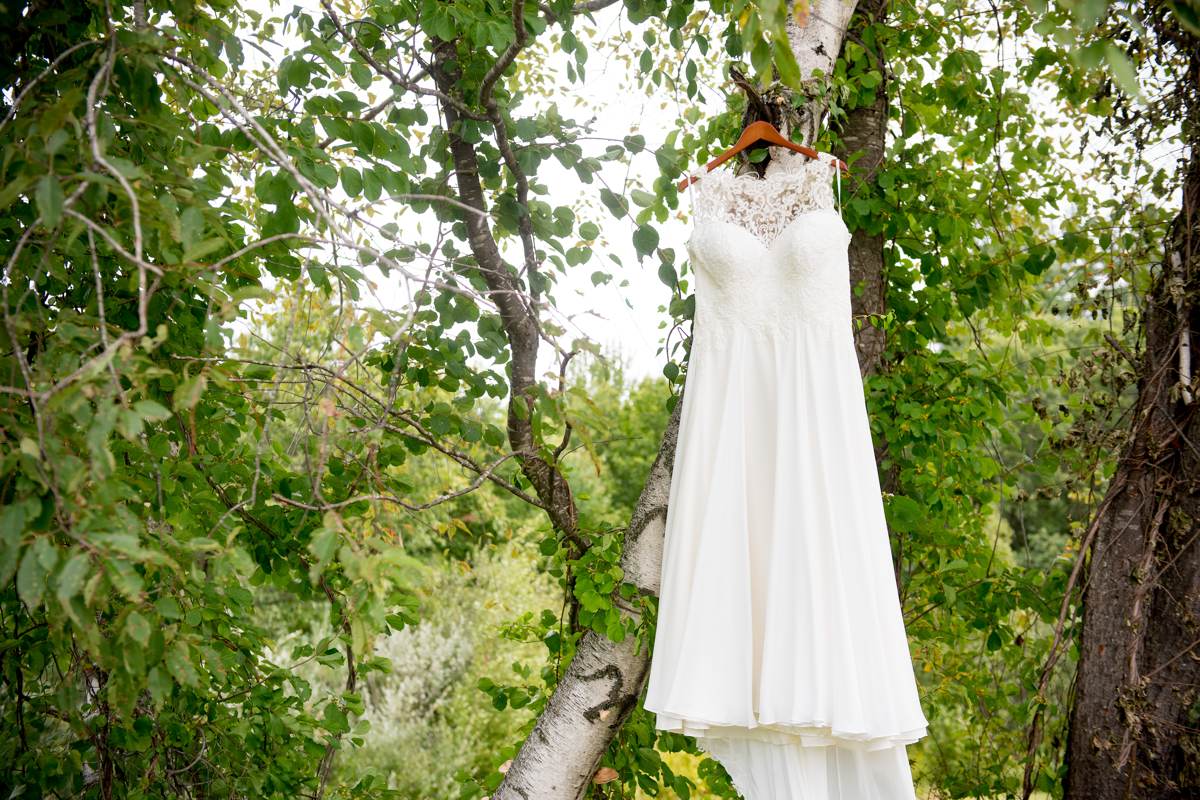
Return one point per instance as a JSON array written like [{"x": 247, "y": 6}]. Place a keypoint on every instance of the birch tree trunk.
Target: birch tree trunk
[{"x": 604, "y": 681}]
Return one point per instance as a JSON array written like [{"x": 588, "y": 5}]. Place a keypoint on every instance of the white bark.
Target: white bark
[
  {"x": 604, "y": 681},
  {"x": 816, "y": 40}
]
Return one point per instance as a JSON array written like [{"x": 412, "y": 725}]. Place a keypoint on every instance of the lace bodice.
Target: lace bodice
[
  {"x": 793, "y": 183},
  {"x": 769, "y": 254}
]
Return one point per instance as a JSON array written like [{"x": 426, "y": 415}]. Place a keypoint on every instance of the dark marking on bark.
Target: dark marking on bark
[
  {"x": 637, "y": 526},
  {"x": 614, "y": 699}
]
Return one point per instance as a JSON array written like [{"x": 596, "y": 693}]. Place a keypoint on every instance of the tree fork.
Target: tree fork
[{"x": 516, "y": 315}]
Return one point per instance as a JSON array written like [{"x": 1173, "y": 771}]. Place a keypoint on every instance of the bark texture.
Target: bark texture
[
  {"x": 1135, "y": 721},
  {"x": 863, "y": 140},
  {"x": 816, "y": 39},
  {"x": 603, "y": 683},
  {"x": 864, "y": 135}
]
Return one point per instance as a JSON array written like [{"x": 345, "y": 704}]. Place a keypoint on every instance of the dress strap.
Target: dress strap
[
  {"x": 693, "y": 174},
  {"x": 838, "y": 176}
]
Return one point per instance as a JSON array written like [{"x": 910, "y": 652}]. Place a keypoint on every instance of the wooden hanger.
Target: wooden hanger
[{"x": 755, "y": 132}]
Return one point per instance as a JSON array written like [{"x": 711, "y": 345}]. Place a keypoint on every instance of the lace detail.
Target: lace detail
[
  {"x": 745, "y": 289},
  {"x": 793, "y": 184},
  {"x": 770, "y": 254}
]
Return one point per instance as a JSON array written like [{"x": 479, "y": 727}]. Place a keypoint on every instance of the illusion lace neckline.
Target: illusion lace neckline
[{"x": 766, "y": 205}]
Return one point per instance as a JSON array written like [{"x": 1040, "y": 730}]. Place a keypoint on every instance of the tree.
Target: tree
[{"x": 1134, "y": 716}]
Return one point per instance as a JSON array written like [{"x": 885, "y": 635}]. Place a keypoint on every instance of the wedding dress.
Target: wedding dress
[{"x": 780, "y": 643}]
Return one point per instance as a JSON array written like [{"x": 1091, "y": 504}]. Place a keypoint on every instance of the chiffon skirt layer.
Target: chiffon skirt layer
[{"x": 780, "y": 643}]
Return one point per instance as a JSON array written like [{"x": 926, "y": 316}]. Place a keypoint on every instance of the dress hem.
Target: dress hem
[{"x": 808, "y": 733}]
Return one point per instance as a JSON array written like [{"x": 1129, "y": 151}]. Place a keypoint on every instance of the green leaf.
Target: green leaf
[
  {"x": 151, "y": 410},
  {"x": 352, "y": 181},
  {"x": 323, "y": 546},
  {"x": 1039, "y": 259},
  {"x": 191, "y": 226},
  {"x": 335, "y": 720},
  {"x": 47, "y": 553},
  {"x": 1188, "y": 15},
  {"x": 760, "y": 56},
  {"x": 666, "y": 274},
  {"x": 179, "y": 664},
  {"x": 785, "y": 62},
  {"x": 168, "y": 607},
  {"x": 125, "y": 578},
  {"x": 642, "y": 198},
  {"x": 372, "y": 185},
  {"x": 273, "y": 188},
  {"x": 645, "y": 240},
  {"x": 613, "y": 201},
  {"x": 137, "y": 628},
  {"x": 71, "y": 578},
  {"x": 904, "y": 513},
  {"x": 31, "y": 579},
  {"x": 296, "y": 72},
  {"x": 361, "y": 74},
  {"x": 12, "y": 525},
  {"x": 325, "y": 175},
  {"x": 203, "y": 248},
  {"x": 160, "y": 686},
  {"x": 188, "y": 393},
  {"x": 1122, "y": 69},
  {"x": 49, "y": 199}
]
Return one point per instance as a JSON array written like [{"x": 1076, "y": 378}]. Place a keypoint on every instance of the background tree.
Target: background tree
[{"x": 1134, "y": 717}]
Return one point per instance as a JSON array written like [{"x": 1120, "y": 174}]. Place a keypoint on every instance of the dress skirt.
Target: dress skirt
[{"x": 780, "y": 642}]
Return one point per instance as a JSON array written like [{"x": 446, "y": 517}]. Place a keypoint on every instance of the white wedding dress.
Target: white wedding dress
[{"x": 780, "y": 643}]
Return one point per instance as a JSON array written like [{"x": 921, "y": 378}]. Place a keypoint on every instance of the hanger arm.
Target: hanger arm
[{"x": 759, "y": 131}]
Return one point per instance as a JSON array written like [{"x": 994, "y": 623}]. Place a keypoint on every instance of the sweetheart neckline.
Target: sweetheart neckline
[{"x": 768, "y": 247}]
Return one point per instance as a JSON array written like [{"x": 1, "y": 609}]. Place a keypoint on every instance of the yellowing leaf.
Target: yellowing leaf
[
  {"x": 605, "y": 775},
  {"x": 802, "y": 11}
]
